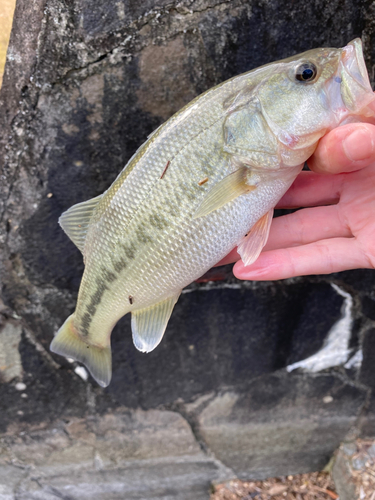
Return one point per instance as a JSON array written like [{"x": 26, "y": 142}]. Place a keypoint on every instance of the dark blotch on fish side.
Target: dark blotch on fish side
[
  {"x": 142, "y": 235},
  {"x": 129, "y": 250},
  {"x": 101, "y": 286},
  {"x": 172, "y": 208},
  {"x": 191, "y": 191},
  {"x": 91, "y": 309},
  {"x": 95, "y": 299},
  {"x": 158, "y": 221},
  {"x": 85, "y": 324},
  {"x": 108, "y": 275},
  {"x": 119, "y": 265}
]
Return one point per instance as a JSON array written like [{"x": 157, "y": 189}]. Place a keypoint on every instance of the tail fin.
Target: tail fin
[{"x": 96, "y": 359}]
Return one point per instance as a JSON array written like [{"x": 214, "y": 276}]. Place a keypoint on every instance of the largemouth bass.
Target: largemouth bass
[{"x": 205, "y": 181}]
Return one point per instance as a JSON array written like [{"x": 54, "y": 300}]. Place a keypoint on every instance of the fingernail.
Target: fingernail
[
  {"x": 249, "y": 272},
  {"x": 358, "y": 145}
]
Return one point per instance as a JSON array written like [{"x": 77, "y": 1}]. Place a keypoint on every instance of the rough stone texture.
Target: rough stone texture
[
  {"x": 293, "y": 417},
  {"x": 172, "y": 480},
  {"x": 343, "y": 478},
  {"x": 84, "y": 85},
  {"x": 125, "y": 454},
  {"x": 10, "y": 359},
  {"x": 353, "y": 470}
]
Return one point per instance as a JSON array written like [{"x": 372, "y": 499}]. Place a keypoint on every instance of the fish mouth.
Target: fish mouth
[
  {"x": 355, "y": 88},
  {"x": 354, "y": 63}
]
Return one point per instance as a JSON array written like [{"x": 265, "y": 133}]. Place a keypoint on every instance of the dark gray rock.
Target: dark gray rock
[
  {"x": 171, "y": 480},
  {"x": 217, "y": 337},
  {"x": 126, "y": 454},
  {"x": 343, "y": 478},
  {"x": 225, "y": 336},
  {"x": 85, "y": 83},
  {"x": 280, "y": 426}
]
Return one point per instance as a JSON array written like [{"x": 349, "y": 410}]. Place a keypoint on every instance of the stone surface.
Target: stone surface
[
  {"x": 342, "y": 478},
  {"x": 191, "y": 360},
  {"x": 353, "y": 473},
  {"x": 124, "y": 454},
  {"x": 116, "y": 438},
  {"x": 85, "y": 83},
  {"x": 291, "y": 417},
  {"x": 171, "y": 480},
  {"x": 10, "y": 359}
]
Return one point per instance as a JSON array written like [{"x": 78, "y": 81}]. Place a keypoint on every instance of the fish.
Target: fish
[{"x": 206, "y": 181}]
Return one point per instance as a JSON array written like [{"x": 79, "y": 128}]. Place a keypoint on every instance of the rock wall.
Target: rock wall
[{"x": 251, "y": 379}]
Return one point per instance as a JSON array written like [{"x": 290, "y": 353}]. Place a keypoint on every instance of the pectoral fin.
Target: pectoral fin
[
  {"x": 149, "y": 324},
  {"x": 251, "y": 245},
  {"x": 229, "y": 188},
  {"x": 98, "y": 360}
]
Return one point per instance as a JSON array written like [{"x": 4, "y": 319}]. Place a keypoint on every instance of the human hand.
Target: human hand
[{"x": 337, "y": 232}]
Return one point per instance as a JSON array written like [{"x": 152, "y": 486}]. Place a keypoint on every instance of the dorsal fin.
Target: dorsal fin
[{"x": 76, "y": 220}]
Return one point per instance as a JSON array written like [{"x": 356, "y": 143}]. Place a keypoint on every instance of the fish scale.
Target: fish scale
[{"x": 205, "y": 181}]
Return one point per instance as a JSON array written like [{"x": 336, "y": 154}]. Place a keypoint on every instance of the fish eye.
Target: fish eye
[{"x": 306, "y": 72}]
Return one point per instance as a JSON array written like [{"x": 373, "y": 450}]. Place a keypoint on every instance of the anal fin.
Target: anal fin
[
  {"x": 252, "y": 244},
  {"x": 149, "y": 324},
  {"x": 226, "y": 190},
  {"x": 98, "y": 360}
]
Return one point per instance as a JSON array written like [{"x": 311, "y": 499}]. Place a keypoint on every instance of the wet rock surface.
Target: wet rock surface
[{"x": 84, "y": 85}]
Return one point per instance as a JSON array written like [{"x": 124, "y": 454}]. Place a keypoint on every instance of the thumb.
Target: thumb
[{"x": 345, "y": 149}]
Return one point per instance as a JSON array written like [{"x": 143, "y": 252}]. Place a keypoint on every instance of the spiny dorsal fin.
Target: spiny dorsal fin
[
  {"x": 251, "y": 245},
  {"x": 224, "y": 191},
  {"x": 149, "y": 324},
  {"x": 75, "y": 221}
]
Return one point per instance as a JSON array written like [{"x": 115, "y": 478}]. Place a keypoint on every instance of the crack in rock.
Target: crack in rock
[
  {"x": 189, "y": 414},
  {"x": 335, "y": 351}
]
